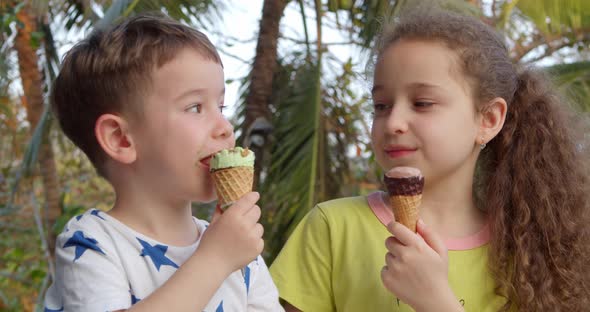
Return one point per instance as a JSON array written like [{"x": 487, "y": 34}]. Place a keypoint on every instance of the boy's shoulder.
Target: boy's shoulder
[
  {"x": 98, "y": 224},
  {"x": 88, "y": 228},
  {"x": 92, "y": 220}
]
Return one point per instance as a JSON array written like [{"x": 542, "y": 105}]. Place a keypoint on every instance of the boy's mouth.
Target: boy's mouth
[{"x": 206, "y": 161}]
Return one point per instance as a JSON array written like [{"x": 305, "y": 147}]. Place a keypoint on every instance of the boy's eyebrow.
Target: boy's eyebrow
[{"x": 195, "y": 91}]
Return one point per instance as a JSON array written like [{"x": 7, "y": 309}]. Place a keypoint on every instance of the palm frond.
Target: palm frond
[
  {"x": 289, "y": 190},
  {"x": 201, "y": 13},
  {"x": 556, "y": 17},
  {"x": 574, "y": 81}
]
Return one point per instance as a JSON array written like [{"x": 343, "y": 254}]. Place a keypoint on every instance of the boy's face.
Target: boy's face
[
  {"x": 180, "y": 127},
  {"x": 424, "y": 113}
]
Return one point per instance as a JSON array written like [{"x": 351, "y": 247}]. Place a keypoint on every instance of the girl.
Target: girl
[{"x": 505, "y": 196}]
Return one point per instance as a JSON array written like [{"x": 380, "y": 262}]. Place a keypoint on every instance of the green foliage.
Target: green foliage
[
  {"x": 574, "y": 81},
  {"x": 553, "y": 16}
]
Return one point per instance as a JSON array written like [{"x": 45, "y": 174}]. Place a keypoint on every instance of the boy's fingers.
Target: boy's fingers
[
  {"x": 432, "y": 239},
  {"x": 244, "y": 203},
  {"x": 253, "y": 215},
  {"x": 216, "y": 213}
]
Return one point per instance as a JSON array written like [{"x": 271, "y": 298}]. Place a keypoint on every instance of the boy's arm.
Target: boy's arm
[
  {"x": 263, "y": 295},
  {"x": 229, "y": 243},
  {"x": 290, "y": 308}
]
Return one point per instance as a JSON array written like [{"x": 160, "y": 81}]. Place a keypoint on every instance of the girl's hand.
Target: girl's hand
[
  {"x": 416, "y": 269},
  {"x": 234, "y": 237}
]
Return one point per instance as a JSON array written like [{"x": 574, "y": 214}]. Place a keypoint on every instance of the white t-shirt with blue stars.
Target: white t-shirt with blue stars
[{"x": 103, "y": 265}]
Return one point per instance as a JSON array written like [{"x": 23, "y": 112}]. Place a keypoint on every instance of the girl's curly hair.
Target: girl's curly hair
[{"x": 533, "y": 177}]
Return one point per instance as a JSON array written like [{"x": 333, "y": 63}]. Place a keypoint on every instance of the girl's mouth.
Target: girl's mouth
[{"x": 399, "y": 152}]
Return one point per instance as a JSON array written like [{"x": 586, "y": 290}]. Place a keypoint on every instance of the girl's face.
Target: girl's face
[{"x": 424, "y": 113}]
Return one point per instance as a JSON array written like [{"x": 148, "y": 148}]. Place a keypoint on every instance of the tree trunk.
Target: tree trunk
[
  {"x": 32, "y": 82},
  {"x": 265, "y": 61}
]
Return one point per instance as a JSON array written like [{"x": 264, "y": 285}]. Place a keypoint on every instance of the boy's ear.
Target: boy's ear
[
  {"x": 112, "y": 133},
  {"x": 492, "y": 120}
]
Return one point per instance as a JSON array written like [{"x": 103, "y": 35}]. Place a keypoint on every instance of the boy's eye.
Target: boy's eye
[{"x": 196, "y": 108}]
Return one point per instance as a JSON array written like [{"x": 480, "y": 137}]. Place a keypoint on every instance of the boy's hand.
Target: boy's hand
[
  {"x": 416, "y": 269},
  {"x": 234, "y": 238}
]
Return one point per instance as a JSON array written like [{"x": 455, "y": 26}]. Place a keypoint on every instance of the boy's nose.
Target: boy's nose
[{"x": 224, "y": 128}]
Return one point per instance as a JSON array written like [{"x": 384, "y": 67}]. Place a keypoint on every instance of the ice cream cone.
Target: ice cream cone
[
  {"x": 405, "y": 185},
  {"x": 233, "y": 174},
  {"x": 233, "y": 183}
]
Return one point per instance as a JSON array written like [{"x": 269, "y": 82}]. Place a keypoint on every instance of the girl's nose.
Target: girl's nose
[{"x": 397, "y": 122}]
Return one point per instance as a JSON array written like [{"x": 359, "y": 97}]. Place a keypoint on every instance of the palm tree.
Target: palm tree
[
  {"x": 257, "y": 106},
  {"x": 33, "y": 101}
]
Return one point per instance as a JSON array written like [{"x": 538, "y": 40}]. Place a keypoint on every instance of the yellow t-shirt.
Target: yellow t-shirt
[{"x": 333, "y": 260}]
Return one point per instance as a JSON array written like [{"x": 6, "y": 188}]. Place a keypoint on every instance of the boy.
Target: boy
[{"x": 143, "y": 100}]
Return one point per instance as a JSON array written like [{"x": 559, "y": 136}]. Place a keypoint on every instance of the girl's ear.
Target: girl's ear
[
  {"x": 112, "y": 133},
  {"x": 492, "y": 120}
]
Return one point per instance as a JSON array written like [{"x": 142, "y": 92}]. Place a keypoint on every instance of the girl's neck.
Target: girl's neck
[{"x": 448, "y": 206}]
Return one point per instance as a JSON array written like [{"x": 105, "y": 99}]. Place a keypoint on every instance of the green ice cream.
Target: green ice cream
[{"x": 234, "y": 157}]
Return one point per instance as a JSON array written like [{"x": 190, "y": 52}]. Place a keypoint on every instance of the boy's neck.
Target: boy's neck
[{"x": 168, "y": 222}]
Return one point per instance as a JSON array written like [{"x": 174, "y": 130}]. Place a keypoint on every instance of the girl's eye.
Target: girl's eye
[
  {"x": 380, "y": 109},
  {"x": 194, "y": 108},
  {"x": 222, "y": 107},
  {"x": 422, "y": 104}
]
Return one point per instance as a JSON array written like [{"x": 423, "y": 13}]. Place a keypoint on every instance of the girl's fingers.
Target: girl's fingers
[
  {"x": 392, "y": 244},
  {"x": 403, "y": 234},
  {"x": 432, "y": 239}
]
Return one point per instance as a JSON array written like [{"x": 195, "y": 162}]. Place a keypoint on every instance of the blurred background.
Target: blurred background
[{"x": 297, "y": 91}]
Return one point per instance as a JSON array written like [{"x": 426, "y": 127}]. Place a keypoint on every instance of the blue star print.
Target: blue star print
[
  {"x": 82, "y": 244},
  {"x": 157, "y": 253},
  {"x": 95, "y": 213},
  {"x": 247, "y": 278},
  {"x": 134, "y": 299},
  {"x": 220, "y": 307}
]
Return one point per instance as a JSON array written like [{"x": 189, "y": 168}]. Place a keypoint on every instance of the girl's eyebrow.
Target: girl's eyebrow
[
  {"x": 376, "y": 88},
  {"x": 423, "y": 85}
]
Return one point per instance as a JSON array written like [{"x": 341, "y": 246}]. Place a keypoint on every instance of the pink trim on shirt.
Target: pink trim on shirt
[{"x": 385, "y": 216}]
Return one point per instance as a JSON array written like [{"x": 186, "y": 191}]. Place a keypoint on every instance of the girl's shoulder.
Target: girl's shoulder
[{"x": 345, "y": 207}]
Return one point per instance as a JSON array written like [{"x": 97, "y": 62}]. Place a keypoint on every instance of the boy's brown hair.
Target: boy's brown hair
[{"x": 108, "y": 72}]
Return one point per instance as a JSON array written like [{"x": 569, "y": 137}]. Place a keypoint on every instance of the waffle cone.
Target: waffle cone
[
  {"x": 405, "y": 209},
  {"x": 232, "y": 183}
]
